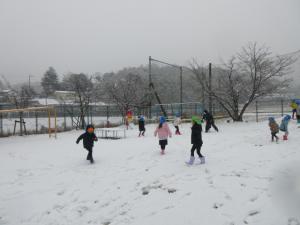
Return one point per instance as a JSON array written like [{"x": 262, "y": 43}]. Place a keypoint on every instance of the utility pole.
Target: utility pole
[
  {"x": 150, "y": 83},
  {"x": 209, "y": 88},
  {"x": 29, "y": 81},
  {"x": 181, "y": 94}
]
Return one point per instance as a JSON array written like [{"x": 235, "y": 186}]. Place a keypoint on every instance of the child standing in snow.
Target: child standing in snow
[
  {"x": 88, "y": 141},
  {"x": 176, "y": 123},
  {"x": 284, "y": 126},
  {"x": 141, "y": 126},
  {"x": 196, "y": 140},
  {"x": 298, "y": 114},
  {"x": 163, "y": 131},
  {"x": 294, "y": 108},
  {"x": 274, "y": 128}
]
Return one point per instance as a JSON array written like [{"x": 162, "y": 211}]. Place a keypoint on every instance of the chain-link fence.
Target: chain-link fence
[
  {"x": 262, "y": 109},
  {"x": 68, "y": 116}
]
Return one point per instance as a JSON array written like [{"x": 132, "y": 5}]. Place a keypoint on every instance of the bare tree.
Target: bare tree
[
  {"x": 127, "y": 92},
  {"x": 252, "y": 73},
  {"x": 82, "y": 85}
]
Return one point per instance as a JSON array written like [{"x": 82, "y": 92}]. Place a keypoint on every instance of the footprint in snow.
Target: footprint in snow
[
  {"x": 250, "y": 214},
  {"x": 61, "y": 192},
  {"x": 254, "y": 198},
  {"x": 217, "y": 205}
]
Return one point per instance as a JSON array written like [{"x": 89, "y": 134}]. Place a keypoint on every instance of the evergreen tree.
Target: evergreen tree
[{"x": 50, "y": 81}]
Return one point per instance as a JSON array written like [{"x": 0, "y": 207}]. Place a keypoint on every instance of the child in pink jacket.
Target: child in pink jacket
[{"x": 163, "y": 131}]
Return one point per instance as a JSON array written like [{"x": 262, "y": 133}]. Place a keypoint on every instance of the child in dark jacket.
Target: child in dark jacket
[
  {"x": 210, "y": 122},
  {"x": 274, "y": 129},
  {"x": 88, "y": 141},
  {"x": 196, "y": 140},
  {"x": 141, "y": 126}
]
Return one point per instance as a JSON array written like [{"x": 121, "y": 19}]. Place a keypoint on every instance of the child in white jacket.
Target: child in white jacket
[{"x": 176, "y": 123}]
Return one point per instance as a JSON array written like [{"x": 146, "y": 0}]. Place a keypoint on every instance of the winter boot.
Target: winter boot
[
  {"x": 202, "y": 160},
  {"x": 162, "y": 152},
  {"x": 191, "y": 162},
  {"x": 285, "y": 137}
]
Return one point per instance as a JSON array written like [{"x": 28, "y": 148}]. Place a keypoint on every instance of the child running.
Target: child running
[
  {"x": 284, "y": 126},
  {"x": 176, "y": 123},
  {"x": 88, "y": 141},
  {"x": 210, "y": 122},
  {"x": 274, "y": 129},
  {"x": 163, "y": 131},
  {"x": 196, "y": 140},
  {"x": 141, "y": 126}
]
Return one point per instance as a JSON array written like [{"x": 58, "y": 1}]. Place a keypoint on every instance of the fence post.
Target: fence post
[
  {"x": 256, "y": 110},
  {"x": 107, "y": 116},
  {"x": 281, "y": 107},
  {"x": 1, "y": 124},
  {"x": 65, "y": 120},
  {"x": 72, "y": 115},
  {"x": 36, "y": 122},
  {"x": 21, "y": 123}
]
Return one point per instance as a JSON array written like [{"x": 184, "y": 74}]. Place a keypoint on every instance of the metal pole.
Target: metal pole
[
  {"x": 150, "y": 82},
  {"x": 256, "y": 110},
  {"x": 55, "y": 122},
  {"x": 1, "y": 124},
  {"x": 21, "y": 124},
  {"x": 210, "y": 89},
  {"x": 181, "y": 91},
  {"x": 36, "y": 122},
  {"x": 281, "y": 107},
  {"x": 65, "y": 120},
  {"x": 107, "y": 116}
]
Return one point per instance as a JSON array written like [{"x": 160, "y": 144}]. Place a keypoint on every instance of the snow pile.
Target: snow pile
[{"x": 45, "y": 181}]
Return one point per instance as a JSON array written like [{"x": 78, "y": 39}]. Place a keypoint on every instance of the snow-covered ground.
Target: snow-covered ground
[{"x": 46, "y": 181}]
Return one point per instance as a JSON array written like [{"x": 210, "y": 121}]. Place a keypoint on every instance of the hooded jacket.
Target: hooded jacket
[
  {"x": 274, "y": 127},
  {"x": 88, "y": 138},
  {"x": 197, "y": 134}
]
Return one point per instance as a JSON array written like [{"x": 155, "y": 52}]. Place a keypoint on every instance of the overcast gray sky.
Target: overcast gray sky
[{"x": 106, "y": 35}]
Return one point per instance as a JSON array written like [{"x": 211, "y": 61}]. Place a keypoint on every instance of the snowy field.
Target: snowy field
[{"x": 246, "y": 180}]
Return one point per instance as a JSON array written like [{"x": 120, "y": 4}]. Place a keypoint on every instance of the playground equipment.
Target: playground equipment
[
  {"x": 51, "y": 112},
  {"x": 110, "y": 133}
]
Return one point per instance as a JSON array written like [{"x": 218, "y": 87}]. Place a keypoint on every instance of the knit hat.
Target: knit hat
[
  {"x": 196, "y": 120},
  {"x": 89, "y": 126},
  {"x": 287, "y": 117},
  {"x": 271, "y": 119},
  {"x": 162, "y": 119},
  {"x": 177, "y": 114}
]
